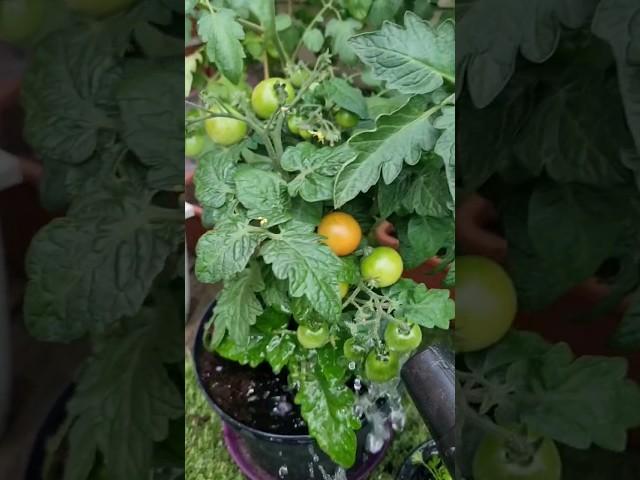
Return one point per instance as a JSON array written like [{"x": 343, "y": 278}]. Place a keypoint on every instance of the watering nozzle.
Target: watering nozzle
[{"x": 429, "y": 377}]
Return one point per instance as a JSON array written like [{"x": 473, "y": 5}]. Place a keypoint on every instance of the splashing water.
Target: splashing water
[{"x": 283, "y": 471}]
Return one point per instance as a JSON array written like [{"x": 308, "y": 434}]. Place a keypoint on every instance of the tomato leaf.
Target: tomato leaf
[
  {"x": 327, "y": 407},
  {"x": 60, "y": 94},
  {"x": 417, "y": 304},
  {"x": 124, "y": 400},
  {"x": 64, "y": 298},
  {"x": 313, "y": 40},
  {"x": 383, "y": 10},
  {"x": 421, "y": 238},
  {"x": 338, "y": 91},
  {"x": 214, "y": 178},
  {"x": 223, "y": 35},
  {"x": 616, "y": 21},
  {"x": 340, "y": 31},
  {"x": 264, "y": 194},
  {"x": 225, "y": 251},
  {"x": 399, "y": 138},
  {"x": 309, "y": 265},
  {"x": 238, "y": 306},
  {"x": 494, "y": 33},
  {"x": 414, "y": 60},
  {"x": 316, "y": 169}
]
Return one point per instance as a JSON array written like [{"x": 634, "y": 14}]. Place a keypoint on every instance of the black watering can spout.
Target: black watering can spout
[{"x": 429, "y": 377}]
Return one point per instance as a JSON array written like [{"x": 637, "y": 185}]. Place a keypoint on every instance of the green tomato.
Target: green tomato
[
  {"x": 383, "y": 267},
  {"x": 193, "y": 145},
  {"x": 98, "y": 8},
  {"x": 345, "y": 119},
  {"x": 402, "y": 338},
  {"x": 381, "y": 368},
  {"x": 344, "y": 289},
  {"x": 313, "y": 337},
  {"x": 20, "y": 19},
  {"x": 225, "y": 131},
  {"x": 494, "y": 460},
  {"x": 265, "y": 97},
  {"x": 486, "y": 303},
  {"x": 352, "y": 351},
  {"x": 293, "y": 123},
  {"x": 299, "y": 76}
]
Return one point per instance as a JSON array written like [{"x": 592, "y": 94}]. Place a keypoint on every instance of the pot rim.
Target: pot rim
[{"x": 196, "y": 350}]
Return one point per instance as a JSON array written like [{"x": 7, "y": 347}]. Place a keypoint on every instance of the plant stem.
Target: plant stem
[
  {"x": 316, "y": 19},
  {"x": 250, "y": 25}
]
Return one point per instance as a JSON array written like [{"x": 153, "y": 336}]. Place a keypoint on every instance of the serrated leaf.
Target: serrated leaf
[
  {"x": 264, "y": 194},
  {"x": 223, "y": 35},
  {"x": 68, "y": 105},
  {"x": 316, "y": 167},
  {"x": 383, "y": 10},
  {"x": 427, "y": 307},
  {"x": 279, "y": 350},
  {"x": 415, "y": 60},
  {"x": 65, "y": 297},
  {"x": 616, "y": 21},
  {"x": 123, "y": 403},
  {"x": 226, "y": 250},
  {"x": 327, "y": 407},
  {"x": 338, "y": 91},
  {"x": 313, "y": 40},
  {"x": 190, "y": 66},
  {"x": 492, "y": 34},
  {"x": 309, "y": 266},
  {"x": 340, "y": 31},
  {"x": 421, "y": 238},
  {"x": 238, "y": 306},
  {"x": 446, "y": 146},
  {"x": 398, "y": 139},
  {"x": 214, "y": 178}
]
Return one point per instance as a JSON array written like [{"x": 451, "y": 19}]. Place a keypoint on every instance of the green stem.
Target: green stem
[{"x": 316, "y": 19}]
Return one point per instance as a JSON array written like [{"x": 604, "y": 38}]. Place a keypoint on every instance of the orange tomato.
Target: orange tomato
[{"x": 342, "y": 231}]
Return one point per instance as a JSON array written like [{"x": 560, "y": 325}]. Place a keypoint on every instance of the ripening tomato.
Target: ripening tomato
[
  {"x": 225, "y": 131},
  {"x": 20, "y": 19},
  {"x": 265, "y": 98},
  {"x": 342, "y": 231},
  {"x": 494, "y": 460},
  {"x": 401, "y": 337},
  {"x": 310, "y": 337},
  {"x": 486, "y": 303},
  {"x": 381, "y": 367},
  {"x": 345, "y": 119},
  {"x": 382, "y": 268},
  {"x": 98, "y": 8}
]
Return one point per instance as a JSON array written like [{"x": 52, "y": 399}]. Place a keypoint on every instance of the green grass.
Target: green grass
[{"x": 206, "y": 457}]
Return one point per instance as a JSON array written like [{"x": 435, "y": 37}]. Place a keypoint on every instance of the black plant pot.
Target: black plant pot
[
  {"x": 262, "y": 455},
  {"x": 412, "y": 470}
]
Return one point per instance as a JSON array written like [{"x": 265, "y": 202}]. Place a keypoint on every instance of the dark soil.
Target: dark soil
[{"x": 253, "y": 396}]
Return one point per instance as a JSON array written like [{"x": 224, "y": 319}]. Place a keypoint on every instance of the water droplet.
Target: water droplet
[
  {"x": 219, "y": 368},
  {"x": 357, "y": 384},
  {"x": 398, "y": 420},
  {"x": 283, "y": 471},
  {"x": 252, "y": 398},
  {"x": 352, "y": 366},
  {"x": 374, "y": 443}
]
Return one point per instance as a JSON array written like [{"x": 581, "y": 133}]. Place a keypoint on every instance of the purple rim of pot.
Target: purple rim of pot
[{"x": 242, "y": 459}]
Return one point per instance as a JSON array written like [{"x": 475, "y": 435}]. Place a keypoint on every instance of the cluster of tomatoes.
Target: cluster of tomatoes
[
  {"x": 266, "y": 99},
  {"x": 381, "y": 268}
]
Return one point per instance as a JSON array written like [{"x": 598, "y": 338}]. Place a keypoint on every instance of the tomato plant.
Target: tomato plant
[
  {"x": 293, "y": 201},
  {"x": 99, "y": 97},
  {"x": 486, "y": 303}
]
